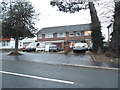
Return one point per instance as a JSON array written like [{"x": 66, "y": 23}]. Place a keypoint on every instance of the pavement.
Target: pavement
[{"x": 76, "y": 60}]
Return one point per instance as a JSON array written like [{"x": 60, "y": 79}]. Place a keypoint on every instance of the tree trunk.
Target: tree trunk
[
  {"x": 16, "y": 45},
  {"x": 15, "y": 52},
  {"x": 97, "y": 38},
  {"x": 115, "y": 41},
  {"x": 93, "y": 13}
]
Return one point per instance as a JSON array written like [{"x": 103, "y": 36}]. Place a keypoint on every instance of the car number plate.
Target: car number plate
[{"x": 78, "y": 47}]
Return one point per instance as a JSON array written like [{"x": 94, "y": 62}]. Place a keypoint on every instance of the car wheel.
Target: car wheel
[
  {"x": 74, "y": 51},
  {"x": 58, "y": 50},
  {"x": 84, "y": 51}
]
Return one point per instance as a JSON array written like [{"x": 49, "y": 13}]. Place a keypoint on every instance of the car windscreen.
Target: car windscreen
[
  {"x": 42, "y": 46},
  {"x": 79, "y": 44},
  {"x": 32, "y": 44},
  {"x": 53, "y": 46}
]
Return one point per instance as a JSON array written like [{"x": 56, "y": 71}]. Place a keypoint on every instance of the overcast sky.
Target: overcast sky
[{"x": 50, "y": 16}]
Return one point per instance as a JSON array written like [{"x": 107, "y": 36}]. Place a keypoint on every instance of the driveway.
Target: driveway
[{"x": 53, "y": 58}]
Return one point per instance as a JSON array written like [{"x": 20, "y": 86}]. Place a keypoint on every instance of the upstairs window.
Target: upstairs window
[
  {"x": 61, "y": 34},
  {"x": 87, "y": 33},
  {"x": 39, "y": 36},
  {"x": 71, "y": 34},
  {"x": 78, "y": 33},
  {"x": 49, "y": 35}
]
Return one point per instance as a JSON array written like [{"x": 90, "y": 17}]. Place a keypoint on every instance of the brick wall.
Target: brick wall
[{"x": 55, "y": 38}]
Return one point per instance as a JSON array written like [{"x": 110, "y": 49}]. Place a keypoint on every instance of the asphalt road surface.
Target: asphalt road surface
[{"x": 24, "y": 74}]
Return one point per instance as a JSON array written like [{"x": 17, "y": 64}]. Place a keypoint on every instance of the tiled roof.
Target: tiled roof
[
  {"x": 5, "y": 39},
  {"x": 68, "y": 28}
]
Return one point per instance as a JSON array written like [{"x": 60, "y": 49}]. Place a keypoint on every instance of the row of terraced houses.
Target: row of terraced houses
[
  {"x": 61, "y": 34},
  {"x": 56, "y": 35}
]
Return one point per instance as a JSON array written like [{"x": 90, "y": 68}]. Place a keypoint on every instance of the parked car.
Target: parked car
[
  {"x": 40, "y": 48},
  {"x": 80, "y": 47},
  {"x": 24, "y": 49},
  {"x": 86, "y": 46},
  {"x": 55, "y": 48},
  {"x": 32, "y": 46}
]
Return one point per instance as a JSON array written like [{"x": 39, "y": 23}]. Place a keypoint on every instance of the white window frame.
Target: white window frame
[
  {"x": 49, "y": 35},
  {"x": 77, "y": 34},
  {"x": 61, "y": 35},
  {"x": 71, "y": 33},
  {"x": 5, "y": 43}
]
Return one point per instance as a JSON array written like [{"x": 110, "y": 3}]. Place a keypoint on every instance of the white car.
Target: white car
[
  {"x": 32, "y": 46},
  {"x": 40, "y": 48},
  {"x": 86, "y": 46},
  {"x": 80, "y": 47}
]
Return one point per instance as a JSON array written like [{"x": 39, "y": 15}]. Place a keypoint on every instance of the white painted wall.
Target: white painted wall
[{"x": 11, "y": 44}]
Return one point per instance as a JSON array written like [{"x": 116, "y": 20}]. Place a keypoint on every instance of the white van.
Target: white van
[
  {"x": 41, "y": 47},
  {"x": 32, "y": 46}
]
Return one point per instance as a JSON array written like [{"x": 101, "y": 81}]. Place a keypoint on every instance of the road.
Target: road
[{"x": 24, "y": 74}]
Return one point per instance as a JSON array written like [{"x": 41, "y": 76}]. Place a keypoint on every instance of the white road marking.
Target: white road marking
[{"x": 36, "y": 77}]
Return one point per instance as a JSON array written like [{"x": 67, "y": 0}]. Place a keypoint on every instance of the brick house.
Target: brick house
[{"x": 61, "y": 34}]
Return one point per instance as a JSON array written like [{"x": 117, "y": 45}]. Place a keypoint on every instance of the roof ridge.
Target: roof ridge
[
  {"x": 66, "y": 25},
  {"x": 66, "y": 28}
]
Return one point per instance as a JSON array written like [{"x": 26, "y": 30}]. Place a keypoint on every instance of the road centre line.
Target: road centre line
[{"x": 36, "y": 77}]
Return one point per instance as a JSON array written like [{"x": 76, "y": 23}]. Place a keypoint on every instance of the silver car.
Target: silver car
[
  {"x": 80, "y": 47},
  {"x": 55, "y": 48}
]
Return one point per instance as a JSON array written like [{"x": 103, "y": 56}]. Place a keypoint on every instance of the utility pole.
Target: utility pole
[{"x": 66, "y": 42}]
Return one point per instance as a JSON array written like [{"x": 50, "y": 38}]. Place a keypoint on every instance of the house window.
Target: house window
[
  {"x": 39, "y": 36},
  {"x": 87, "y": 33},
  {"x": 61, "y": 35},
  {"x": 49, "y": 35},
  {"x": 20, "y": 44},
  {"x": 71, "y": 34},
  {"x": 5, "y": 43},
  {"x": 78, "y": 33}
]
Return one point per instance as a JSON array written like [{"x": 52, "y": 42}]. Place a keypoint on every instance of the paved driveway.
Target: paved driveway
[
  {"x": 49, "y": 57},
  {"x": 53, "y": 58}
]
